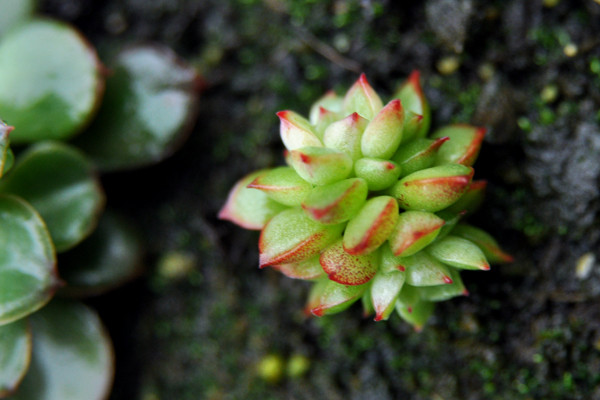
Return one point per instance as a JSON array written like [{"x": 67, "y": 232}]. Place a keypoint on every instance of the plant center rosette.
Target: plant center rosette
[{"x": 369, "y": 207}]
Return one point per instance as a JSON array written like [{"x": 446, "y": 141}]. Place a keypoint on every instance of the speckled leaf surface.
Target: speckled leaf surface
[
  {"x": 28, "y": 276},
  {"x": 66, "y": 193},
  {"x": 147, "y": 111},
  {"x": 73, "y": 356},
  {"x": 50, "y": 81}
]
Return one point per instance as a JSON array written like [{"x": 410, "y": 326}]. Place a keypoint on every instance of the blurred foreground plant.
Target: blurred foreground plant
[
  {"x": 52, "y": 88},
  {"x": 369, "y": 207}
]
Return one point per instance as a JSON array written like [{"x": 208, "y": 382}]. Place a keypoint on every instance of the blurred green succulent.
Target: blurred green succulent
[
  {"x": 368, "y": 206},
  {"x": 52, "y": 88}
]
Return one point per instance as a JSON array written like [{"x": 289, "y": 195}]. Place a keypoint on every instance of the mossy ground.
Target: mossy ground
[{"x": 529, "y": 330}]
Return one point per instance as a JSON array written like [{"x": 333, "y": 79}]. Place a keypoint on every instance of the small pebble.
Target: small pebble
[{"x": 584, "y": 265}]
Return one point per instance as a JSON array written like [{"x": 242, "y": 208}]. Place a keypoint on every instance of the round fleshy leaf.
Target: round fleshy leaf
[
  {"x": 444, "y": 292},
  {"x": 111, "y": 256},
  {"x": 292, "y": 237},
  {"x": 148, "y": 109},
  {"x": 337, "y": 202},
  {"x": 307, "y": 270},
  {"x": 417, "y": 154},
  {"x": 433, "y": 189},
  {"x": 348, "y": 269},
  {"x": 326, "y": 117},
  {"x": 247, "y": 207},
  {"x": 345, "y": 135},
  {"x": 463, "y": 146},
  {"x": 296, "y": 131},
  {"x": 371, "y": 227},
  {"x": 73, "y": 357},
  {"x": 414, "y": 231},
  {"x": 335, "y": 297},
  {"x": 424, "y": 270},
  {"x": 320, "y": 165},
  {"x": 61, "y": 184},
  {"x": 418, "y": 115},
  {"x": 15, "y": 353},
  {"x": 50, "y": 81},
  {"x": 384, "y": 133},
  {"x": 471, "y": 200},
  {"x": 14, "y": 13},
  {"x": 458, "y": 252},
  {"x": 283, "y": 185},
  {"x": 492, "y": 251},
  {"x": 385, "y": 289},
  {"x": 379, "y": 173},
  {"x": 28, "y": 276},
  {"x": 412, "y": 309},
  {"x": 363, "y": 99},
  {"x": 329, "y": 101}
]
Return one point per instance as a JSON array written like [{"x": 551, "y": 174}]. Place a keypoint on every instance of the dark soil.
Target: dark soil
[{"x": 529, "y": 330}]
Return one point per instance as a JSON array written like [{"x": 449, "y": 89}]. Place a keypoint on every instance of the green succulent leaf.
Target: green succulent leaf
[
  {"x": 433, "y": 189},
  {"x": 329, "y": 101},
  {"x": 463, "y": 146},
  {"x": 28, "y": 277},
  {"x": 412, "y": 308},
  {"x": 417, "y": 154},
  {"x": 73, "y": 357},
  {"x": 384, "y": 133},
  {"x": 14, "y": 13},
  {"x": 309, "y": 269},
  {"x": 371, "y": 227},
  {"x": 6, "y": 156},
  {"x": 337, "y": 202},
  {"x": 424, "y": 270},
  {"x": 361, "y": 98},
  {"x": 15, "y": 353},
  {"x": 247, "y": 207},
  {"x": 458, "y": 252},
  {"x": 296, "y": 131},
  {"x": 60, "y": 182},
  {"x": 348, "y": 269},
  {"x": 320, "y": 165},
  {"x": 283, "y": 185},
  {"x": 418, "y": 115},
  {"x": 492, "y": 251},
  {"x": 444, "y": 292},
  {"x": 148, "y": 109},
  {"x": 385, "y": 288},
  {"x": 471, "y": 200},
  {"x": 345, "y": 135},
  {"x": 414, "y": 231},
  {"x": 377, "y": 172},
  {"x": 325, "y": 118},
  {"x": 291, "y": 237},
  {"x": 50, "y": 81},
  {"x": 111, "y": 256},
  {"x": 335, "y": 297}
]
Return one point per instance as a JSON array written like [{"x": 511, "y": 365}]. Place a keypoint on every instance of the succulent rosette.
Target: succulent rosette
[{"x": 369, "y": 207}]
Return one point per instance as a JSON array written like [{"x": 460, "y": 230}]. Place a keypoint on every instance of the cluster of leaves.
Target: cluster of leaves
[
  {"x": 53, "y": 89},
  {"x": 369, "y": 207}
]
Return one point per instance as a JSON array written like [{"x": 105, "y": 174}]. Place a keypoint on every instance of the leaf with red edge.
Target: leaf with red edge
[
  {"x": 361, "y": 98},
  {"x": 306, "y": 270},
  {"x": 291, "y": 237},
  {"x": 471, "y": 200},
  {"x": 371, "y": 227},
  {"x": 385, "y": 288},
  {"x": 336, "y": 297},
  {"x": 329, "y": 101},
  {"x": 345, "y": 135},
  {"x": 463, "y": 146},
  {"x": 418, "y": 154},
  {"x": 320, "y": 165},
  {"x": 414, "y": 231},
  {"x": 348, "y": 269},
  {"x": 379, "y": 173},
  {"x": 424, "y": 270},
  {"x": 296, "y": 131},
  {"x": 444, "y": 292},
  {"x": 412, "y": 308},
  {"x": 249, "y": 208},
  {"x": 458, "y": 252},
  {"x": 384, "y": 133},
  {"x": 433, "y": 189},
  {"x": 484, "y": 241},
  {"x": 324, "y": 120},
  {"x": 418, "y": 115},
  {"x": 283, "y": 185},
  {"x": 336, "y": 202}
]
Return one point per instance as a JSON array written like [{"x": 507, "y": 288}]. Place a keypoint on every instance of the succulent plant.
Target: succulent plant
[
  {"x": 56, "y": 240},
  {"x": 369, "y": 207}
]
